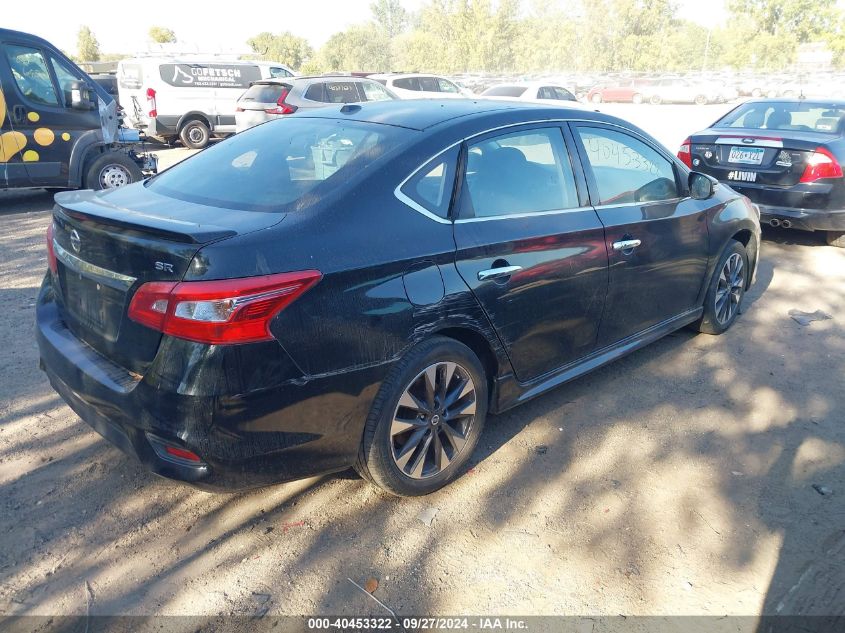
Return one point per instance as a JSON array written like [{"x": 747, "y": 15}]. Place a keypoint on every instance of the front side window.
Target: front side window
[
  {"x": 407, "y": 83},
  {"x": 31, "y": 75},
  {"x": 564, "y": 95},
  {"x": 429, "y": 84},
  {"x": 626, "y": 169},
  {"x": 447, "y": 86},
  {"x": 66, "y": 77},
  {"x": 280, "y": 72},
  {"x": 522, "y": 172},
  {"x": 373, "y": 91},
  {"x": 431, "y": 187}
]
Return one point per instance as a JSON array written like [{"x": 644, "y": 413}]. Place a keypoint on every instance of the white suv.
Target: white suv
[{"x": 419, "y": 86}]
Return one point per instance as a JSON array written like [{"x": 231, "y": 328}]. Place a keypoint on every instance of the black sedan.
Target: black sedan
[
  {"x": 361, "y": 286},
  {"x": 785, "y": 155}
]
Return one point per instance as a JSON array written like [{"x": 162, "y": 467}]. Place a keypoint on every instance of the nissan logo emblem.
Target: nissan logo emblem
[{"x": 75, "y": 242}]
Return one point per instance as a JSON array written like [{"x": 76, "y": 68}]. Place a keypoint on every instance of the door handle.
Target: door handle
[
  {"x": 18, "y": 114},
  {"x": 498, "y": 273},
  {"x": 626, "y": 245}
]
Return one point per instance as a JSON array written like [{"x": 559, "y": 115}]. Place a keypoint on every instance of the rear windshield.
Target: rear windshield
[
  {"x": 270, "y": 166},
  {"x": 798, "y": 116},
  {"x": 505, "y": 91},
  {"x": 263, "y": 93}
]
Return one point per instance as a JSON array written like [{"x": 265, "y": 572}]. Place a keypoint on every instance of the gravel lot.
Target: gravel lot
[{"x": 678, "y": 480}]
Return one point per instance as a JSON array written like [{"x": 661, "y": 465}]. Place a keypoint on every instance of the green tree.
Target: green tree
[
  {"x": 803, "y": 20},
  {"x": 87, "y": 46},
  {"x": 285, "y": 47},
  {"x": 390, "y": 15},
  {"x": 364, "y": 47},
  {"x": 162, "y": 35}
]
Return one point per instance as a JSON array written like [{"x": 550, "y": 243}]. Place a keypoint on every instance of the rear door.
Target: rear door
[
  {"x": 655, "y": 234},
  {"x": 530, "y": 247}
]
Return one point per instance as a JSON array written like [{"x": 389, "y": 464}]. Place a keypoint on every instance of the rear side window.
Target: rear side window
[
  {"x": 626, "y": 169},
  {"x": 563, "y": 94},
  {"x": 264, "y": 93},
  {"x": 280, "y": 72},
  {"x": 429, "y": 84},
  {"x": 407, "y": 83},
  {"x": 431, "y": 187},
  {"x": 31, "y": 75},
  {"x": 333, "y": 92},
  {"x": 524, "y": 172},
  {"x": 270, "y": 168}
]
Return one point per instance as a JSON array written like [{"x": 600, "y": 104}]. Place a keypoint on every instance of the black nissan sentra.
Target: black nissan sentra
[
  {"x": 363, "y": 285},
  {"x": 785, "y": 155}
]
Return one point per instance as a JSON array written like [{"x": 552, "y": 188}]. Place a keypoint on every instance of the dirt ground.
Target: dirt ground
[{"x": 678, "y": 480}]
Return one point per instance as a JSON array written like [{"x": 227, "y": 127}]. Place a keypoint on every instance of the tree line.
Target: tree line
[{"x": 526, "y": 36}]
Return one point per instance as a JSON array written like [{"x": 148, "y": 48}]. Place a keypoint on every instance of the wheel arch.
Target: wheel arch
[
  {"x": 746, "y": 238},
  {"x": 193, "y": 115}
]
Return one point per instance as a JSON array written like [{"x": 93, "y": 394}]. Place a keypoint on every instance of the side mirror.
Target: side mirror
[
  {"x": 80, "y": 96},
  {"x": 701, "y": 186}
]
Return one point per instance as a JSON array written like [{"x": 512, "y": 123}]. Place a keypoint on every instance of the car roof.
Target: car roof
[
  {"x": 11, "y": 34},
  {"x": 422, "y": 114},
  {"x": 832, "y": 103},
  {"x": 405, "y": 75},
  {"x": 311, "y": 79}
]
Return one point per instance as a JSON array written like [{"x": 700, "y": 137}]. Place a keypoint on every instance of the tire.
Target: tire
[
  {"x": 836, "y": 238},
  {"x": 701, "y": 100},
  {"x": 719, "y": 316},
  {"x": 195, "y": 134},
  {"x": 637, "y": 98},
  {"x": 415, "y": 472},
  {"x": 596, "y": 98},
  {"x": 655, "y": 100},
  {"x": 111, "y": 170}
]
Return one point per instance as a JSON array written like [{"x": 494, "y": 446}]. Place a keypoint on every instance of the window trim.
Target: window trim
[
  {"x": 575, "y": 156},
  {"x": 592, "y": 185}
]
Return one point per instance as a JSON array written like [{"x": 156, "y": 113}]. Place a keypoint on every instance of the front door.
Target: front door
[
  {"x": 50, "y": 126},
  {"x": 656, "y": 235},
  {"x": 12, "y": 144},
  {"x": 530, "y": 247}
]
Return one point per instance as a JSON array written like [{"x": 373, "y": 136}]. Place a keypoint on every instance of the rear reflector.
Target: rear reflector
[
  {"x": 183, "y": 453},
  {"x": 225, "y": 312},
  {"x": 685, "y": 154},
  {"x": 51, "y": 254},
  {"x": 821, "y": 164}
]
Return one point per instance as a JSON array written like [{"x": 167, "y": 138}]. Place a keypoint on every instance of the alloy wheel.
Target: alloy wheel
[
  {"x": 729, "y": 289},
  {"x": 432, "y": 422}
]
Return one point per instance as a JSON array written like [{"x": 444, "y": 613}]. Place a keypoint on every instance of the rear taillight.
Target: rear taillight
[
  {"x": 152, "y": 111},
  {"x": 821, "y": 164},
  {"x": 685, "y": 153},
  {"x": 222, "y": 312},
  {"x": 281, "y": 106},
  {"x": 51, "y": 253}
]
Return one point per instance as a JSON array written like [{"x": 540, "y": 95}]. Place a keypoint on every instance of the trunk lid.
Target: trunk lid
[
  {"x": 754, "y": 156},
  {"x": 109, "y": 243}
]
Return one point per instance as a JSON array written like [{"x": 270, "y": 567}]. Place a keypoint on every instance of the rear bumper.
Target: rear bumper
[
  {"x": 266, "y": 434},
  {"x": 805, "y": 219}
]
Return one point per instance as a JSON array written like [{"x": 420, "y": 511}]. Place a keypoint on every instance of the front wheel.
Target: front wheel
[
  {"x": 836, "y": 238},
  {"x": 726, "y": 290},
  {"x": 637, "y": 98},
  {"x": 426, "y": 419},
  {"x": 596, "y": 98},
  {"x": 655, "y": 100},
  {"x": 112, "y": 170},
  {"x": 701, "y": 100}
]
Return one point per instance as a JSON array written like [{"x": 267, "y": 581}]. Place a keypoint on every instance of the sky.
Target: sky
[{"x": 222, "y": 26}]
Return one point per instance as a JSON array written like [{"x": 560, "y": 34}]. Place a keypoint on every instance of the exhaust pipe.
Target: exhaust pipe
[
  {"x": 786, "y": 224},
  {"x": 774, "y": 222}
]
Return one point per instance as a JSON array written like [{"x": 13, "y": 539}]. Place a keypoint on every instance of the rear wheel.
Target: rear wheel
[
  {"x": 195, "y": 134},
  {"x": 656, "y": 100},
  {"x": 637, "y": 98},
  {"x": 425, "y": 420},
  {"x": 596, "y": 98},
  {"x": 724, "y": 294},
  {"x": 111, "y": 170},
  {"x": 836, "y": 238},
  {"x": 701, "y": 100}
]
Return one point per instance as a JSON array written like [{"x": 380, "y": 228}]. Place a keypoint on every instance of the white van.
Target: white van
[{"x": 171, "y": 97}]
